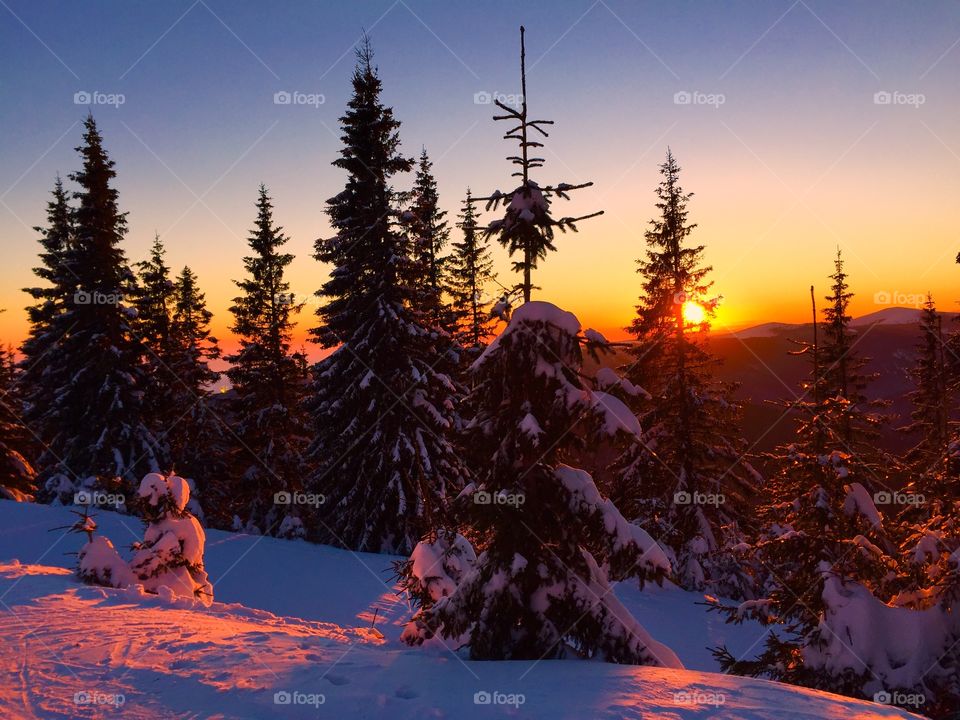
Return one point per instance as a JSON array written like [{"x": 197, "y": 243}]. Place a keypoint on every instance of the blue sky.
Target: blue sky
[{"x": 798, "y": 158}]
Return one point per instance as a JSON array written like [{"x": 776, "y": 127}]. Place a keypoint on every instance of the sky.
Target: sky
[{"x": 800, "y": 126}]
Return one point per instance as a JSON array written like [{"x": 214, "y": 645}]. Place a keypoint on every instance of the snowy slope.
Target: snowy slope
[{"x": 293, "y": 617}]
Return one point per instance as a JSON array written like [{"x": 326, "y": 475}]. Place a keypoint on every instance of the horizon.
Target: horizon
[{"x": 778, "y": 121}]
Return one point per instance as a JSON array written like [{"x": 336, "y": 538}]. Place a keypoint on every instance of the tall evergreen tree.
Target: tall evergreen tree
[
  {"x": 198, "y": 441},
  {"x": 428, "y": 235},
  {"x": 267, "y": 380},
  {"x": 551, "y": 543},
  {"x": 822, "y": 540},
  {"x": 689, "y": 481},
  {"x": 152, "y": 301},
  {"x": 932, "y": 396},
  {"x": 51, "y": 300},
  {"x": 95, "y": 420},
  {"x": 16, "y": 472},
  {"x": 527, "y": 228},
  {"x": 382, "y": 404},
  {"x": 470, "y": 271}
]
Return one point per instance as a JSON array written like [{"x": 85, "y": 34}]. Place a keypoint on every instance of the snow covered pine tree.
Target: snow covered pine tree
[
  {"x": 16, "y": 473},
  {"x": 823, "y": 545},
  {"x": 93, "y": 423},
  {"x": 688, "y": 481},
  {"x": 551, "y": 544},
  {"x": 383, "y": 404},
  {"x": 268, "y": 380},
  {"x": 169, "y": 561}
]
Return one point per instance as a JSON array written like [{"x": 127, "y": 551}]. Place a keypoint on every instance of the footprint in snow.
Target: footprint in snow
[
  {"x": 337, "y": 679},
  {"x": 407, "y": 693}
]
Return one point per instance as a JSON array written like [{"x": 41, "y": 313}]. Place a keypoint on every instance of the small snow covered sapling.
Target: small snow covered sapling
[
  {"x": 98, "y": 562},
  {"x": 171, "y": 554},
  {"x": 551, "y": 544}
]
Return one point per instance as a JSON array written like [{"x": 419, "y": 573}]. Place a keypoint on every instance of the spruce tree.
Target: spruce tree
[
  {"x": 470, "y": 271},
  {"x": 152, "y": 302},
  {"x": 688, "y": 482},
  {"x": 16, "y": 472},
  {"x": 551, "y": 544},
  {"x": 198, "y": 440},
  {"x": 527, "y": 227},
  {"x": 51, "y": 299},
  {"x": 94, "y": 425},
  {"x": 383, "y": 404},
  {"x": 822, "y": 541},
  {"x": 428, "y": 236},
  {"x": 267, "y": 381}
]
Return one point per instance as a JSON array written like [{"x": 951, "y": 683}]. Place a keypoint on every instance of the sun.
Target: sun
[{"x": 694, "y": 313}]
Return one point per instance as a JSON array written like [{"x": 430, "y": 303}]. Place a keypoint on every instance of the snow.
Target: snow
[
  {"x": 617, "y": 417},
  {"x": 292, "y": 617},
  {"x": 858, "y": 500}
]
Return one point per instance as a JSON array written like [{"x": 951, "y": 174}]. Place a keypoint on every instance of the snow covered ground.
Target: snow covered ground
[{"x": 290, "y": 636}]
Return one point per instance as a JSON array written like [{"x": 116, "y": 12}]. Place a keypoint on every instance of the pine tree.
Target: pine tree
[
  {"x": 823, "y": 544},
  {"x": 52, "y": 299},
  {"x": 171, "y": 554},
  {"x": 16, "y": 472},
  {"x": 688, "y": 481},
  {"x": 428, "y": 236},
  {"x": 383, "y": 404},
  {"x": 932, "y": 395},
  {"x": 94, "y": 424},
  {"x": 267, "y": 380},
  {"x": 551, "y": 543},
  {"x": 470, "y": 271},
  {"x": 197, "y": 440},
  {"x": 152, "y": 302},
  {"x": 527, "y": 228}
]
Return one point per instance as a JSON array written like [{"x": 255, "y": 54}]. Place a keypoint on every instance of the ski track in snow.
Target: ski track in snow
[{"x": 304, "y": 626}]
